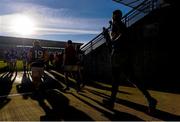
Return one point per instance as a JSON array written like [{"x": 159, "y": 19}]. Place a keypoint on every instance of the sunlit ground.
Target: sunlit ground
[{"x": 86, "y": 105}]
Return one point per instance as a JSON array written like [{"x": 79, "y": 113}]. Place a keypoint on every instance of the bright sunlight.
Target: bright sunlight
[{"x": 23, "y": 25}]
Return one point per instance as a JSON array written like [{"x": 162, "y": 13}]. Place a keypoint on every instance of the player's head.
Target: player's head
[
  {"x": 117, "y": 14},
  {"x": 69, "y": 42},
  {"x": 36, "y": 43}
]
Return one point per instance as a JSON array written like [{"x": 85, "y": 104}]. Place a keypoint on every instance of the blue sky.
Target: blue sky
[{"x": 59, "y": 20}]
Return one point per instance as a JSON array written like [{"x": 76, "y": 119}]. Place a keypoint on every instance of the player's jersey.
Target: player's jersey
[
  {"x": 7, "y": 55},
  {"x": 37, "y": 58},
  {"x": 70, "y": 53},
  {"x": 13, "y": 55},
  {"x": 24, "y": 55}
]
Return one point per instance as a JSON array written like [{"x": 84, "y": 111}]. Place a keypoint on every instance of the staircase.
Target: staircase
[{"x": 140, "y": 8}]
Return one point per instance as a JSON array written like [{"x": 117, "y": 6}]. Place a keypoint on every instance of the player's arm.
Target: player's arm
[
  {"x": 116, "y": 32},
  {"x": 64, "y": 57},
  {"x": 46, "y": 56}
]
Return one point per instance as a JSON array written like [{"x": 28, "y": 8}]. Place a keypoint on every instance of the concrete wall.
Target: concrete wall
[{"x": 97, "y": 64}]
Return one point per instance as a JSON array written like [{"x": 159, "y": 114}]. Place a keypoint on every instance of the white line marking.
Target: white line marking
[{"x": 18, "y": 94}]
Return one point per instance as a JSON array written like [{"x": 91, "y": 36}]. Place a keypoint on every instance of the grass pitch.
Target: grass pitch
[{"x": 3, "y": 65}]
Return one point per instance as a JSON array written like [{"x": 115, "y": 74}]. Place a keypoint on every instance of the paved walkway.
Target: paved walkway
[{"x": 18, "y": 104}]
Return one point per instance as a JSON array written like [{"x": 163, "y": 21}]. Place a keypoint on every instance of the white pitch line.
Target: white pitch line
[{"x": 19, "y": 94}]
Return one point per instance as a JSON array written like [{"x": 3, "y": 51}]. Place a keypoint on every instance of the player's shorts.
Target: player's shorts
[
  {"x": 13, "y": 60},
  {"x": 71, "y": 68},
  {"x": 37, "y": 71},
  {"x": 25, "y": 61}
]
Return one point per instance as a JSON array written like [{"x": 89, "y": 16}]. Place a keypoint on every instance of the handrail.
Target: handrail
[
  {"x": 92, "y": 40},
  {"x": 127, "y": 4},
  {"x": 139, "y": 7}
]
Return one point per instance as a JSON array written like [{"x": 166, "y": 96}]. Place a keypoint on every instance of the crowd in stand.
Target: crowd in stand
[{"x": 10, "y": 56}]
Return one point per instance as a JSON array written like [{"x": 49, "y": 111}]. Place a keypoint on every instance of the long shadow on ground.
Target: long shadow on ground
[
  {"x": 60, "y": 109},
  {"x": 151, "y": 85},
  {"x": 158, "y": 113},
  {"x": 54, "y": 103},
  {"x": 6, "y": 81},
  {"x": 115, "y": 116},
  {"x": 27, "y": 85}
]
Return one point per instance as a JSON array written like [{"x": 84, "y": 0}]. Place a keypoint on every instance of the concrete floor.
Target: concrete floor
[{"x": 17, "y": 102}]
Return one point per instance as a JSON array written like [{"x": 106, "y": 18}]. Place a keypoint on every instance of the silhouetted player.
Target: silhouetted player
[
  {"x": 38, "y": 56},
  {"x": 121, "y": 61},
  {"x": 25, "y": 61},
  {"x": 70, "y": 65},
  {"x": 13, "y": 59}
]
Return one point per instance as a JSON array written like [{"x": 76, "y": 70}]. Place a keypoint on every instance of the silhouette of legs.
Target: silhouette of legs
[
  {"x": 118, "y": 76},
  {"x": 152, "y": 102},
  {"x": 114, "y": 89},
  {"x": 74, "y": 72},
  {"x": 66, "y": 74},
  {"x": 37, "y": 73}
]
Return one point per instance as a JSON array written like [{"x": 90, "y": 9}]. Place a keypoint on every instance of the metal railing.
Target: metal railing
[{"x": 138, "y": 12}]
